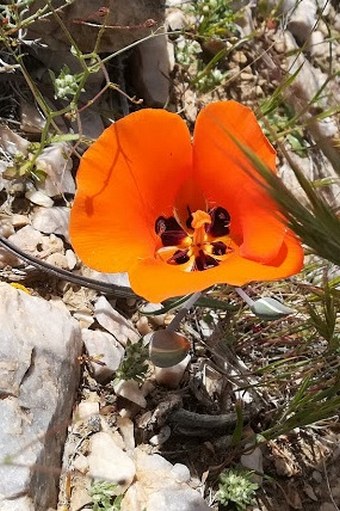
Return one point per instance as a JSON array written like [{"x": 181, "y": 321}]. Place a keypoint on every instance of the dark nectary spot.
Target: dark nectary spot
[
  {"x": 219, "y": 248},
  {"x": 220, "y": 222},
  {"x": 204, "y": 261},
  {"x": 179, "y": 257},
  {"x": 169, "y": 230}
]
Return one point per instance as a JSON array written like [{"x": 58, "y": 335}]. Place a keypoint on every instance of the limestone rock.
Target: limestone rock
[
  {"x": 115, "y": 323},
  {"x": 160, "y": 486},
  {"x": 40, "y": 345},
  {"x": 52, "y": 220},
  {"x": 108, "y": 462},
  {"x": 127, "y": 21},
  {"x": 55, "y": 161},
  {"x": 103, "y": 347}
]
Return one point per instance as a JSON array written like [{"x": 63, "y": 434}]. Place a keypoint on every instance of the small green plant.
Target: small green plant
[
  {"x": 236, "y": 488},
  {"x": 104, "y": 498},
  {"x": 135, "y": 363},
  {"x": 65, "y": 84},
  {"x": 214, "y": 18}
]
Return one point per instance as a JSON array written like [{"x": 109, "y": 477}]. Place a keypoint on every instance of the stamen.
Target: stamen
[
  {"x": 169, "y": 230},
  {"x": 179, "y": 257},
  {"x": 193, "y": 243},
  {"x": 220, "y": 222},
  {"x": 219, "y": 248},
  {"x": 204, "y": 261}
]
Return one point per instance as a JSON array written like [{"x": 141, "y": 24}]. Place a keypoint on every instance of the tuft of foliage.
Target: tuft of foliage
[
  {"x": 104, "y": 498},
  {"x": 135, "y": 364},
  {"x": 237, "y": 488}
]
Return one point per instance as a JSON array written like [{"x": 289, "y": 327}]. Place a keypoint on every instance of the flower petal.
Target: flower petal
[
  {"x": 227, "y": 178},
  {"x": 126, "y": 180},
  {"x": 156, "y": 281}
]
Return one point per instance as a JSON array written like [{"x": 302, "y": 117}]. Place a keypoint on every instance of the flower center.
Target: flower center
[{"x": 202, "y": 244}]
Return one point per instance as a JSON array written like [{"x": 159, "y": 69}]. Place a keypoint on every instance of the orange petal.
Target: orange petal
[
  {"x": 126, "y": 180},
  {"x": 227, "y": 178},
  {"x": 156, "y": 281},
  {"x": 219, "y": 165}
]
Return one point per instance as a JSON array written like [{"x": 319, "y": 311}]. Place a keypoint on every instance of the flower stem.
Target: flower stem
[
  {"x": 244, "y": 296},
  {"x": 174, "y": 324}
]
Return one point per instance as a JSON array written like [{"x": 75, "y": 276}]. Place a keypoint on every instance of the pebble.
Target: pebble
[
  {"x": 239, "y": 57},
  {"x": 130, "y": 390},
  {"x": 106, "y": 354},
  {"x": 27, "y": 239},
  {"x": 71, "y": 259},
  {"x": 39, "y": 197},
  {"x": 6, "y": 228},
  {"x": 87, "y": 409},
  {"x": 126, "y": 428},
  {"x": 53, "y": 220},
  {"x": 171, "y": 377},
  {"x": 317, "y": 45},
  {"x": 80, "y": 463},
  {"x": 327, "y": 506},
  {"x": 108, "y": 462},
  {"x": 19, "y": 221},
  {"x": 114, "y": 322},
  {"x": 161, "y": 486},
  {"x": 143, "y": 326},
  {"x": 55, "y": 161},
  {"x": 181, "y": 473}
]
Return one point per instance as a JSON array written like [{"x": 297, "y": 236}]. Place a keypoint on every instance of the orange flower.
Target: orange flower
[{"x": 180, "y": 215}]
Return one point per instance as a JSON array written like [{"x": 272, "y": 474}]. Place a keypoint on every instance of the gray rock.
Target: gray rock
[
  {"x": 108, "y": 462},
  {"x": 52, "y": 220},
  {"x": 40, "y": 343},
  {"x": 128, "y": 22},
  {"x": 152, "y": 79},
  {"x": 103, "y": 347},
  {"x": 161, "y": 486},
  {"x": 55, "y": 161},
  {"x": 115, "y": 323},
  {"x": 171, "y": 499}
]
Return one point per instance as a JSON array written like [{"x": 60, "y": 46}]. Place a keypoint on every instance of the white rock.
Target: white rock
[
  {"x": 109, "y": 462},
  {"x": 114, "y": 322},
  {"x": 39, "y": 197},
  {"x": 19, "y": 220},
  {"x": 176, "y": 19},
  {"x": 126, "y": 428},
  {"x": 87, "y": 409},
  {"x": 11, "y": 142},
  {"x": 143, "y": 325},
  {"x": 131, "y": 391},
  {"x": 149, "y": 308},
  {"x": 160, "y": 486},
  {"x": 169, "y": 499},
  {"x": 181, "y": 473},
  {"x": 19, "y": 504},
  {"x": 52, "y": 220},
  {"x": 71, "y": 259},
  {"x": 317, "y": 44},
  {"x": 39, "y": 374},
  {"x": 55, "y": 161},
  {"x": 154, "y": 69},
  {"x": 103, "y": 347},
  {"x": 254, "y": 461},
  {"x": 80, "y": 463},
  {"x": 6, "y": 228},
  {"x": 172, "y": 376},
  {"x": 27, "y": 239},
  {"x": 58, "y": 260}
]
